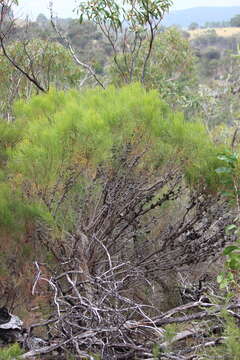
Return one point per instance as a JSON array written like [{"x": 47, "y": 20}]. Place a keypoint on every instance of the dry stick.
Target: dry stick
[
  {"x": 152, "y": 36},
  {"x": 210, "y": 343},
  {"x": 199, "y": 315},
  {"x": 48, "y": 349},
  {"x": 130, "y": 327},
  {"x": 106, "y": 31},
  {"x": 180, "y": 336},
  {"x": 72, "y": 52}
]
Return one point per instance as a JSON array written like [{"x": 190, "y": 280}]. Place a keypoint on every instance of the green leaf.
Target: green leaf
[
  {"x": 224, "y": 284},
  {"x": 81, "y": 19},
  {"x": 223, "y": 158},
  {"x": 223, "y": 170},
  {"x": 220, "y": 278},
  {"x": 227, "y": 193},
  {"x": 231, "y": 227},
  {"x": 229, "y": 276},
  {"x": 234, "y": 264},
  {"x": 229, "y": 249},
  {"x": 234, "y": 157}
]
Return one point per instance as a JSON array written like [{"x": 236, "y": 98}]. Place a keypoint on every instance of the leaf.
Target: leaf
[
  {"x": 224, "y": 284},
  {"x": 234, "y": 157},
  {"x": 229, "y": 276},
  {"x": 223, "y": 158},
  {"x": 220, "y": 278},
  {"x": 223, "y": 170},
  {"x": 229, "y": 249},
  {"x": 234, "y": 264},
  {"x": 81, "y": 19},
  {"x": 227, "y": 193},
  {"x": 231, "y": 227}
]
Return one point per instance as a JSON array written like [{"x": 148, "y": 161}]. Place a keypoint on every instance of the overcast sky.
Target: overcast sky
[{"x": 64, "y": 7}]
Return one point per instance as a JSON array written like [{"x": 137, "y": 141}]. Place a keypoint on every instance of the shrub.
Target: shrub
[{"x": 10, "y": 353}]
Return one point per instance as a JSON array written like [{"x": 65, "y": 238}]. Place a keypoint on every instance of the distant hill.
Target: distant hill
[
  {"x": 222, "y": 32},
  {"x": 200, "y": 15}
]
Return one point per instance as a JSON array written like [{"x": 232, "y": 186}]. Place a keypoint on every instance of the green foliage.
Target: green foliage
[
  {"x": 235, "y": 21},
  {"x": 193, "y": 26},
  {"x": 65, "y": 136},
  {"x": 48, "y": 61},
  {"x": 68, "y": 134},
  {"x": 229, "y": 174},
  {"x": 137, "y": 13},
  {"x": 10, "y": 135},
  {"x": 230, "y": 178},
  {"x": 217, "y": 99},
  {"x": 14, "y": 211},
  {"x": 232, "y": 333},
  {"x": 156, "y": 351},
  {"x": 143, "y": 18},
  {"x": 62, "y": 126},
  {"x": 96, "y": 356},
  {"x": 170, "y": 332},
  {"x": 171, "y": 68},
  {"x": 11, "y": 352},
  {"x": 217, "y": 96},
  {"x": 230, "y": 348}
]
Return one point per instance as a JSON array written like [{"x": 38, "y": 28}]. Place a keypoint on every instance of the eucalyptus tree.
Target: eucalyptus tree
[
  {"x": 7, "y": 25},
  {"x": 171, "y": 69},
  {"x": 47, "y": 61},
  {"x": 127, "y": 25}
]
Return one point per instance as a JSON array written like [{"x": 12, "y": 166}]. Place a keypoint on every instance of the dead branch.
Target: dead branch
[
  {"x": 118, "y": 247},
  {"x": 69, "y": 46}
]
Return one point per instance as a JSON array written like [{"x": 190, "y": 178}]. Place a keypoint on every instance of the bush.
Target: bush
[
  {"x": 107, "y": 168},
  {"x": 212, "y": 53},
  {"x": 11, "y": 352},
  {"x": 235, "y": 21},
  {"x": 193, "y": 26},
  {"x": 71, "y": 128}
]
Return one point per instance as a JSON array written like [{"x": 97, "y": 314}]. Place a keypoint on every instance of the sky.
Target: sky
[{"x": 64, "y": 8}]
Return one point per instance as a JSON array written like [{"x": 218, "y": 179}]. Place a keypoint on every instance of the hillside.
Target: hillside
[
  {"x": 200, "y": 15},
  {"x": 223, "y": 32},
  {"x": 119, "y": 184}
]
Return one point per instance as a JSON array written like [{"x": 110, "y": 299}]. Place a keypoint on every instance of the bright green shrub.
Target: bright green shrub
[
  {"x": 92, "y": 122},
  {"x": 68, "y": 134},
  {"x": 10, "y": 135},
  {"x": 13, "y": 210},
  {"x": 229, "y": 348},
  {"x": 11, "y": 352}
]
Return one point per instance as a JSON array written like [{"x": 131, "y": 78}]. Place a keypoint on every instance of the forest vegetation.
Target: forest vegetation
[{"x": 119, "y": 186}]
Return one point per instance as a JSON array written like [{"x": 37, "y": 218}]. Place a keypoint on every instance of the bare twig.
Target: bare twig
[{"x": 66, "y": 41}]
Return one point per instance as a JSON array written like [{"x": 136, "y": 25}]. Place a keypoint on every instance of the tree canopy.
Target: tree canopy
[{"x": 235, "y": 21}]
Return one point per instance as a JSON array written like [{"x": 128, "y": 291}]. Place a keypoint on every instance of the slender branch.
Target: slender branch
[
  {"x": 152, "y": 36},
  {"x": 32, "y": 79},
  {"x": 72, "y": 52}
]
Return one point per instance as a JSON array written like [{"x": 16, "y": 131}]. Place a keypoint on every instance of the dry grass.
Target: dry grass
[{"x": 225, "y": 32}]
